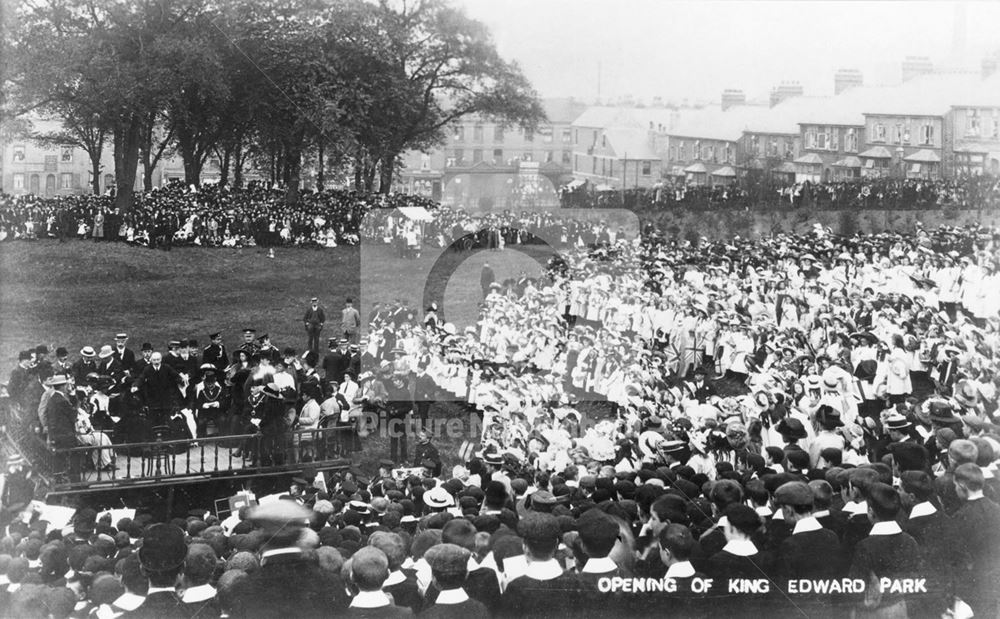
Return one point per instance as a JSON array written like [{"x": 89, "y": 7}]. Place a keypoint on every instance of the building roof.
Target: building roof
[
  {"x": 563, "y": 110},
  {"x": 696, "y": 168},
  {"x": 923, "y": 156},
  {"x": 848, "y": 162},
  {"x": 932, "y": 94},
  {"x": 605, "y": 117},
  {"x": 633, "y": 143},
  {"x": 846, "y": 109},
  {"x": 715, "y": 124},
  {"x": 876, "y": 152},
  {"x": 810, "y": 159},
  {"x": 725, "y": 171},
  {"x": 784, "y": 118}
]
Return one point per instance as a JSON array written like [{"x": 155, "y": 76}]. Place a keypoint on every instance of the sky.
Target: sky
[{"x": 678, "y": 49}]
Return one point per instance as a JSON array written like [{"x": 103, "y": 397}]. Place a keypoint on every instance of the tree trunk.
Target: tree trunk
[
  {"x": 293, "y": 165},
  {"x": 192, "y": 170},
  {"x": 238, "y": 166},
  {"x": 319, "y": 171},
  {"x": 128, "y": 135},
  {"x": 95, "y": 169},
  {"x": 358, "y": 171},
  {"x": 386, "y": 172},
  {"x": 147, "y": 174},
  {"x": 224, "y": 171}
]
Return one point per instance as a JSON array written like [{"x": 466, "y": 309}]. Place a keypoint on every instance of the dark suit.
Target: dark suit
[
  {"x": 463, "y": 610},
  {"x": 887, "y": 556},
  {"x": 334, "y": 366},
  {"x": 406, "y": 593},
  {"x": 529, "y": 597},
  {"x": 126, "y": 357},
  {"x": 974, "y": 536},
  {"x": 314, "y": 320},
  {"x": 82, "y": 367},
  {"x": 290, "y": 585},
  {"x": 158, "y": 388},
  {"x": 481, "y": 585},
  {"x": 60, "y": 420},
  {"x": 160, "y": 605},
  {"x": 216, "y": 355}
]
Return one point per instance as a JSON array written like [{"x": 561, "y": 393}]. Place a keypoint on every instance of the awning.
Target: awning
[
  {"x": 810, "y": 159},
  {"x": 604, "y": 188},
  {"x": 786, "y": 167},
  {"x": 724, "y": 171},
  {"x": 923, "y": 156},
  {"x": 696, "y": 168},
  {"x": 848, "y": 162},
  {"x": 877, "y": 152},
  {"x": 575, "y": 183}
]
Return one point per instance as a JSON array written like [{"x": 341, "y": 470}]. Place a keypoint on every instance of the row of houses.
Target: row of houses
[{"x": 932, "y": 126}]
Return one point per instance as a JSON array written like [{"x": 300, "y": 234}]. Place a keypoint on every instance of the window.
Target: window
[
  {"x": 604, "y": 166},
  {"x": 497, "y": 155},
  {"x": 425, "y": 162},
  {"x": 66, "y": 180},
  {"x": 477, "y": 156},
  {"x": 647, "y": 168},
  {"x": 927, "y": 135},
  {"x": 996, "y": 126},
  {"x": 565, "y": 157},
  {"x": 459, "y": 156},
  {"x": 528, "y": 156},
  {"x": 19, "y": 181},
  {"x": 878, "y": 132},
  {"x": 550, "y": 156},
  {"x": 789, "y": 149},
  {"x": 821, "y": 140},
  {"x": 66, "y": 155},
  {"x": 869, "y": 163},
  {"x": 697, "y": 149},
  {"x": 811, "y": 138},
  {"x": 19, "y": 153},
  {"x": 772, "y": 148},
  {"x": 546, "y": 134},
  {"x": 594, "y": 167},
  {"x": 906, "y": 133},
  {"x": 972, "y": 123},
  {"x": 711, "y": 152},
  {"x": 754, "y": 145},
  {"x": 834, "y": 138},
  {"x": 460, "y": 133},
  {"x": 851, "y": 141},
  {"x": 672, "y": 153},
  {"x": 477, "y": 133},
  {"x": 567, "y": 136},
  {"x": 728, "y": 157},
  {"x": 529, "y": 135},
  {"x": 498, "y": 134},
  {"x": 897, "y": 133},
  {"x": 681, "y": 153}
]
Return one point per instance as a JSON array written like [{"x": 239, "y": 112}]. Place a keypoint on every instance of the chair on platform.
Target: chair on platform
[{"x": 158, "y": 459}]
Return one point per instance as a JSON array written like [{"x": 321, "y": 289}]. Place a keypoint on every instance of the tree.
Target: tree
[
  {"x": 438, "y": 66},
  {"x": 77, "y": 128}
]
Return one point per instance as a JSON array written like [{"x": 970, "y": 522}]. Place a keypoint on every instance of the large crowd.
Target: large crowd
[
  {"x": 209, "y": 215},
  {"x": 974, "y": 192},
  {"x": 798, "y": 425}
]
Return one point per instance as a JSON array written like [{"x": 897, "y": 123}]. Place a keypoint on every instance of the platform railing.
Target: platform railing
[{"x": 166, "y": 459}]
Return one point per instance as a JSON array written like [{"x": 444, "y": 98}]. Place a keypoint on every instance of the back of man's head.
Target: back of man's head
[
  {"x": 677, "y": 539},
  {"x": 369, "y": 568}
]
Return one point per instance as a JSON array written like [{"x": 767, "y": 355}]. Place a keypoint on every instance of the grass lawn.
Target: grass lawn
[{"x": 81, "y": 293}]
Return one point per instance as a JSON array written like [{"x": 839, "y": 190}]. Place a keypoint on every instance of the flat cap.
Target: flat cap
[
  {"x": 449, "y": 560},
  {"x": 794, "y": 493}
]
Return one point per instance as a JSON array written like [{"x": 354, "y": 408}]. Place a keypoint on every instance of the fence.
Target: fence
[{"x": 182, "y": 460}]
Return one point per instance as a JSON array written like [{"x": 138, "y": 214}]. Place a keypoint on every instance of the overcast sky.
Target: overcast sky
[{"x": 678, "y": 49}]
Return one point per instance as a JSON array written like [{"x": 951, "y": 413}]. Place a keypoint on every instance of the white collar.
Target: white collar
[
  {"x": 764, "y": 511},
  {"x": 452, "y": 596},
  {"x": 34, "y": 564},
  {"x": 153, "y": 590},
  {"x": 198, "y": 594},
  {"x": 4, "y": 580},
  {"x": 855, "y": 509},
  {"x": 129, "y": 601},
  {"x": 987, "y": 472},
  {"x": 601, "y": 565},
  {"x": 278, "y": 551},
  {"x": 683, "y": 569},
  {"x": 543, "y": 570},
  {"x": 922, "y": 509},
  {"x": 889, "y": 527},
  {"x": 394, "y": 578},
  {"x": 823, "y": 513},
  {"x": 370, "y": 599},
  {"x": 806, "y": 525},
  {"x": 13, "y": 587},
  {"x": 740, "y": 548}
]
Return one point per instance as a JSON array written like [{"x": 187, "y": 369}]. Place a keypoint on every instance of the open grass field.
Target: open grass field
[{"x": 81, "y": 293}]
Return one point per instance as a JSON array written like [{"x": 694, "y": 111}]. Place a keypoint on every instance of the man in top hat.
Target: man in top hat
[
  {"x": 209, "y": 401},
  {"x": 285, "y": 571},
  {"x": 215, "y": 353},
  {"x": 86, "y": 364},
  {"x": 532, "y": 594},
  {"x": 146, "y": 352},
  {"x": 161, "y": 558},
  {"x": 124, "y": 354},
  {"x": 449, "y": 569},
  {"x": 314, "y": 320}
]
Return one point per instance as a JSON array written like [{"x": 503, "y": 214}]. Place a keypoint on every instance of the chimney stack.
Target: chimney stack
[
  {"x": 786, "y": 90},
  {"x": 732, "y": 97},
  {"x": 847, "y": 78},
  {"x": 916, "y": 65}
]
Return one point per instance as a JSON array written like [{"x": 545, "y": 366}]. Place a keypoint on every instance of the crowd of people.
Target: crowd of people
[
  {"x": 974, "y": 192},
  {"x": 800, "y": 424},
  {"x": 209, "y": 215}
]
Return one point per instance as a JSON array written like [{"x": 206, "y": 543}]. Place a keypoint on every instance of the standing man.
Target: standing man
[
  {"x": 60, "y": 418},
  {"x": 486, "y": 278},
  {"x": 314, "y": 320},
  {"x": 350, "y": 321},
  {"x": 249, "y": 346},
  {"x": 157, "y": 386},
  {"x": 215, "y": 353},
  {"x": 123, "y": 354}
]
